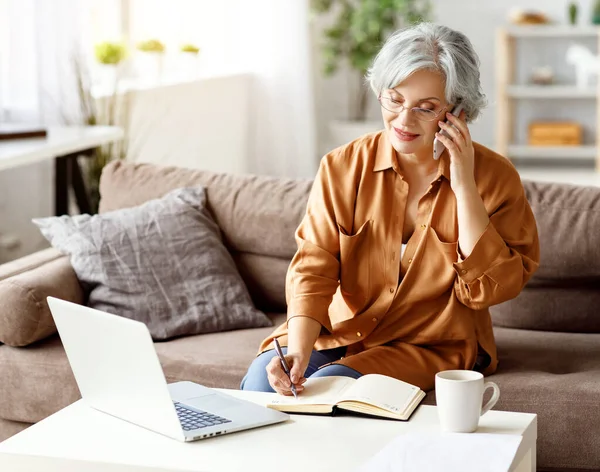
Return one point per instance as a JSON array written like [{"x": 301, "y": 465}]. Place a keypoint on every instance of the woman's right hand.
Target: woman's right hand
[
  {"x": 302, "y": 334},
  {"x": 279, "y": 380}
]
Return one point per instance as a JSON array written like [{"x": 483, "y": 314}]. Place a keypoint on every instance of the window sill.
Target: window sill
[{"x": 126, "y": 85}]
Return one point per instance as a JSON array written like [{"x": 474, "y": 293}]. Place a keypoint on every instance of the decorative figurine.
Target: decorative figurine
[{"x": 585, "y": 61}]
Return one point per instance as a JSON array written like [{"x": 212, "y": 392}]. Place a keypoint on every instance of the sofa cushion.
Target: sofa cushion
[
  {"x": 37, "y": 380},
  {"x": 24, "y": 314},
  {"x": 568, "y": 220},
  {"x": 564, "y": 293},
  {"x": 563, "y": 309},
  {"x": 265, "y": 278},
  {"x": 258, "y": 215},
  {"x": 162, "y": 263}
]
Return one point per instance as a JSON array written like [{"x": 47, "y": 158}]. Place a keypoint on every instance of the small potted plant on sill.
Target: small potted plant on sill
[
  {"x": 110, "y": 56},
  {"x": 189, "y": 63},
  {"x": 150, "y": 60}
]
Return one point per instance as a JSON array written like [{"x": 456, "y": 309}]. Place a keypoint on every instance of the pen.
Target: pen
[{"x": 284, "y": 364}]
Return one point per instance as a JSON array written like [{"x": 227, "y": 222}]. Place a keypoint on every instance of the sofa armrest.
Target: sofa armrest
[{"x": 24, "y": 286}]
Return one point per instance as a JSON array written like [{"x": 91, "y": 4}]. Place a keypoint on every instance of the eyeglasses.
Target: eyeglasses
[{"x": 422, "y": 114}]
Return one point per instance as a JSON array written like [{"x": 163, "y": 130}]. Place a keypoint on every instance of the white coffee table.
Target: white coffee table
[{"x": 81, "y": 439}]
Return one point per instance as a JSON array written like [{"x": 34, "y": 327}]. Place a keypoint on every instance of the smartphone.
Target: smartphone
[{"x": 438, "y": 146}]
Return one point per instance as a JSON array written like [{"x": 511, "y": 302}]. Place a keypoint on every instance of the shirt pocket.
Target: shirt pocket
[
  {"x": 441, "y": 255},
  {"x": 355, "y": 266},
  {"x": 448, "y": 248}
]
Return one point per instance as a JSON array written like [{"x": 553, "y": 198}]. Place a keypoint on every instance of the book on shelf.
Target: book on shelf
[
  {"x": 21, "y": 131},
  {"x": 371, "y": 394}
]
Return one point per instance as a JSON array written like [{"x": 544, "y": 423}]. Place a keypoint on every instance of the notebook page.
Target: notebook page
[
  {"x": 382, "y": 391},
  {"x": 318, "y": 391}
]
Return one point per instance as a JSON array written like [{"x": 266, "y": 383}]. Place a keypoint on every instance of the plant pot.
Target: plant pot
[
  {"x": 188, "y": 65},
  {"x": 149, "y": 66},
  {"x": 107, "y": 76},
  {"x": 343, "y": 131}
]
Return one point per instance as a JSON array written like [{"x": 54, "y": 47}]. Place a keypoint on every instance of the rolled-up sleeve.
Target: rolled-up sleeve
[
  {"x": 313, "y": 275},
  {"x": 505, "y": 256}
]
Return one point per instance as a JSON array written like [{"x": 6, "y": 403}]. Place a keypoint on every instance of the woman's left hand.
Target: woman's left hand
[{"x": 462, "y": 154}]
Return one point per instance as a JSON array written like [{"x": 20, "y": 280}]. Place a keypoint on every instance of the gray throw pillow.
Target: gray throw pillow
[{"x": 162, "y": 263}]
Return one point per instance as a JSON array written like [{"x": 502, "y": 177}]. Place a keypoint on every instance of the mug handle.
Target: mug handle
[{"x": 492, "y": 401}]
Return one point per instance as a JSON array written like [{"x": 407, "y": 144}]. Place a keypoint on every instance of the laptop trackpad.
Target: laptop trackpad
[{"x": 212, "y": 403}]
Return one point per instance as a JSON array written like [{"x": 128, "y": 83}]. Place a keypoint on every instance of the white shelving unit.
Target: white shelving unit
[
  {"x": 549, "y": 91},
  {"x": 551, "y": 31},
  {"x": 507, "y": 93},
  {"x": 552, "y": 152}
]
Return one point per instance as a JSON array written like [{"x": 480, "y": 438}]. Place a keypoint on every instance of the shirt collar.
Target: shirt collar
[
  {"x": 386, "y": 154},
  {"x": 386, "y": 158}
]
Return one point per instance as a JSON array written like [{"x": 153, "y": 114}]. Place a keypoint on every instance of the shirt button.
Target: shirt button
[
  {"x": 391, "y": 290},
  {"x": 423, "y": 226},
  {"x": 374, "y": 320},
  {"x": 359, "y": 334},
  {"x": 409, "y": 261},
  {"x": 464, "y": 271}
]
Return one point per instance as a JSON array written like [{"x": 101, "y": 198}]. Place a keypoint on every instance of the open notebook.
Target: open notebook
[{"x": 371, "y": 394}]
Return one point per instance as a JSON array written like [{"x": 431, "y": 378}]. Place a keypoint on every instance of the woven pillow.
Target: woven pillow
[{"x": 162, "y": 263}]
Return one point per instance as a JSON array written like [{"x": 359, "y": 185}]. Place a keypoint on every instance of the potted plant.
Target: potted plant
[
  {"x": 150, "y": 60},
  {"x": 596, "y": 13},
  {"x": 573, "y": 10},
  {"x": 189, "y": 48},
  {"x": 110, "y": 53},
  {"x": 357, "y": 32},
  {"x": 109, "y": 56}
]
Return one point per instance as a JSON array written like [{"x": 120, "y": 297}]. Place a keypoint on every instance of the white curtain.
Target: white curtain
[
  {"x": 271, "y": 39},
  {"x": 37, "y": 70},
  {"x": 37, "y": 38}
]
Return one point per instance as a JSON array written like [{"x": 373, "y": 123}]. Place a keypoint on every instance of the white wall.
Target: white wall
[
  {"x": 479, "y": 20},
  {"x": 25, "y": 192}
]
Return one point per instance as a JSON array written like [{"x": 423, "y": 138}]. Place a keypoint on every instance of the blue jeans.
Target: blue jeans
[{"x": 256, "y": 377}]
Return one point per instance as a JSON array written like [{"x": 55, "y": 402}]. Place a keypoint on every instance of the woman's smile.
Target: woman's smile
[{"x": 405, "y": 135}]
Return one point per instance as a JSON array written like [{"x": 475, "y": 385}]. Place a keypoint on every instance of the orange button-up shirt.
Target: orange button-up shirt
[{"x": 348, "y": 275}]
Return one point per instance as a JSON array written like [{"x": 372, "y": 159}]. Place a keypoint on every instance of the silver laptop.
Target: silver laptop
[{"x": 118, "y": 372}]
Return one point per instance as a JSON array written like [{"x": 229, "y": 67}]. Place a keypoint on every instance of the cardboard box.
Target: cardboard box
[{"x": 555, "y": 134}]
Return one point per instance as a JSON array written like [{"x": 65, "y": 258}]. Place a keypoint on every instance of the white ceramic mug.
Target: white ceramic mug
[{"x": 459, "y": 394}]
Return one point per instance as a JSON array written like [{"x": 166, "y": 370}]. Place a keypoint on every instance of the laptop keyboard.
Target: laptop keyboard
[{"x": 192, "y": 419}]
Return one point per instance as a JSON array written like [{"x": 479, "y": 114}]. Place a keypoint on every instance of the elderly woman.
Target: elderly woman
[{"x": 400, "y": 255}]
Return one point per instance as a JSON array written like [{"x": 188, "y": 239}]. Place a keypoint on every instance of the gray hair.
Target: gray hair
[{"x": 436, "y": 48}]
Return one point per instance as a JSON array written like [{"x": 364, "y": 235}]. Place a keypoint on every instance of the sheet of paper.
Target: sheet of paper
[{"x": 450, "y": 452}]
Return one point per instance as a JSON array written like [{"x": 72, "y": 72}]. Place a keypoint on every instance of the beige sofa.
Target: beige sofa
[{"x": 548, "y": 341}]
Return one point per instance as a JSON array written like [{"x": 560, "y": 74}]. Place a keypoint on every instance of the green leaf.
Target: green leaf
[{"x": 109, "y": 53}]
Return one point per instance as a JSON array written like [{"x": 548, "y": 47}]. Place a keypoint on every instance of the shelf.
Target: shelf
[
  {"x": 565, "y": 176},
  {"x": 553, "y": 152},
  {"x": 552, "y": 31},
  {"x": 550, "y": 91}
]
